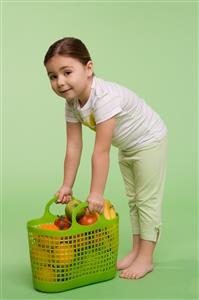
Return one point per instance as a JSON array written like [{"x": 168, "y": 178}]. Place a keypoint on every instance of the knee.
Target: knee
[{"x": 131, "y": 200}]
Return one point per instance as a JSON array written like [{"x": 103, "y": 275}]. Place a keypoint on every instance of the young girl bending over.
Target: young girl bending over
[{"x": 120, "y": 118}]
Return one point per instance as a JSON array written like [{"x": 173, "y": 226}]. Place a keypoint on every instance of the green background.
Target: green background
[{"x": 149, "y": 47}]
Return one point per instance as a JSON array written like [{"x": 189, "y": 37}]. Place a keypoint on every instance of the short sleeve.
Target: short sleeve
[
  {"x": 69, "y": 114},
  {"x": 106, "y": 108}
]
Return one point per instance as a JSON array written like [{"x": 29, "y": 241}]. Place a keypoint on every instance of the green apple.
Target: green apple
[{"x": 70, "y": 206}]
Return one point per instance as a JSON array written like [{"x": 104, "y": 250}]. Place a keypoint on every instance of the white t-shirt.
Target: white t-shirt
[{"x": 137, "y": 124}]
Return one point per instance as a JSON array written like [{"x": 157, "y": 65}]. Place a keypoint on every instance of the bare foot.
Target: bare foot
[
  {"x": 138, "y": 269},
  {"x": 127, "y": 260}
]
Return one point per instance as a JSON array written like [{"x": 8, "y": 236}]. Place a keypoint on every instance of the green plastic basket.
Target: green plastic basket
[{"x": 80, "y": 255}]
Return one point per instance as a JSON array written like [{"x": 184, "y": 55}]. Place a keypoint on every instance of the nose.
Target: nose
[{"x": 60, "y": 81}]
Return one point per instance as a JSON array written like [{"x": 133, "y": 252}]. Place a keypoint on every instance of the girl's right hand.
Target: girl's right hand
[{"x": 64, "y": 194}]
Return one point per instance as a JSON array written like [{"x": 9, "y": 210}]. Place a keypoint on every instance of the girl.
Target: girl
[{"x": 119, "y": 117}]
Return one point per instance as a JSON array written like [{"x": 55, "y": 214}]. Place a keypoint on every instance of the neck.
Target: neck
[{"x": 84, "y": 99}]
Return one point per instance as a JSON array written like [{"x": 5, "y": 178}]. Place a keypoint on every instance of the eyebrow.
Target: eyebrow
[{"x": 61, "y": 69}]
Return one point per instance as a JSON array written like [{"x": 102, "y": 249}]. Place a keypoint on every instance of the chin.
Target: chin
[{"x": 70, "y": 99}]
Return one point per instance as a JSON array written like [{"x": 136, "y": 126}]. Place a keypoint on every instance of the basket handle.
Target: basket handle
[
  {"x": 80, "y": 207},
  {"x": 50, "y": 202},
  {"x": 77, "y": 209}
]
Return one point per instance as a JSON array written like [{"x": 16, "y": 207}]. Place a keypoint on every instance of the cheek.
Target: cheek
[
  {"x": 53, "y": 86},
  {"x": 81, "y": 83}
]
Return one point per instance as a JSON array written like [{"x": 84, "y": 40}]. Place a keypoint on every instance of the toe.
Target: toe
[
  {"x": 128, "y": 274},
  {"x": 124, "y": 273},
  {"x": 132, "y": 275},
  {"x": 137, "y": 276}
]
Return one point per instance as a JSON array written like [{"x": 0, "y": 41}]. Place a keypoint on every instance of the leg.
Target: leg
[
  {"x": 127, "y": 260},
  {"x": 143, "y": 263},
  {"x": 150, "y": 175},
  {"x": 128, "y": 178}
]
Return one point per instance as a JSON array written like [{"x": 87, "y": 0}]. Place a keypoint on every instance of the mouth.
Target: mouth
[{"x": 65, "y": 91}]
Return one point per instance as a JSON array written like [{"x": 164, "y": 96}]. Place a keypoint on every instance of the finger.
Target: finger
[
  {"x": 98, "y": 205},
  {"x": 101, "y": 210},
  {"x": 91, "y": 207},
  {"x": 68, "y": 198},
  {"x": 59, "y": 200},
  {"x": 56, "y": 194},
  {"x": 63, "y": 199},
  {"x": 96, "y": 208}
]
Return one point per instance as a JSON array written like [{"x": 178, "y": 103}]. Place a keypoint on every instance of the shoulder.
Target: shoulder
[
  {"x": 104, "y": 91},
  {"x": 103, "y": 87},
  {"x": 106, "y": 101},
  {"x": 111, "y": 90}
]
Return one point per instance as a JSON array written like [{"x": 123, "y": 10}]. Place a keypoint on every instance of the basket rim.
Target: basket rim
[{"x": 32, "y": 226}]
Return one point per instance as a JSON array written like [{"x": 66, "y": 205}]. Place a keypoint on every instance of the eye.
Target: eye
[
  {"x": 52, "y": 77},
  {"x": 67, "y": 72}
]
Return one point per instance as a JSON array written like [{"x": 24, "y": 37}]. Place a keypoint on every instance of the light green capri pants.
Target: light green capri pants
[{"x": 144, "y": 173}]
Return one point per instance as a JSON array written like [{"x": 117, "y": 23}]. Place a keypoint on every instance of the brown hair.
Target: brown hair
[{"x": 68, "y": 46}]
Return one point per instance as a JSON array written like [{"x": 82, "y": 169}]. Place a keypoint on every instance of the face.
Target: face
[{"x": 69, "y": 78}]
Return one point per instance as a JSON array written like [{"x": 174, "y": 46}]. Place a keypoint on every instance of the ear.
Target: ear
[{"x": 89, "y": 68}]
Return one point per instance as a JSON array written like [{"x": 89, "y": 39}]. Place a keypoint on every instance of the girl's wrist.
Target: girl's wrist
[
  {"x": 95, "y": 194},
  {"x": 67, "y": 185}
]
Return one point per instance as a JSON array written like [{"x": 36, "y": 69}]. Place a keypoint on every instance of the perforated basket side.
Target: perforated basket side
[
  {"x": 74, "y": 257},
  {"x": 63, "y": 258}
]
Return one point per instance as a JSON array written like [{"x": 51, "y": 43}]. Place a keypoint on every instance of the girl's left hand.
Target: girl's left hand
[{"x": 96, "y": 203}]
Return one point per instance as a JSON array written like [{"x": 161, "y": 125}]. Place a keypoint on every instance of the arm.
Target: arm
[
  {"x": 72, "y": 159},
  {"x": 73, "y": 153},
  {"x": 100, "y": 163}
]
